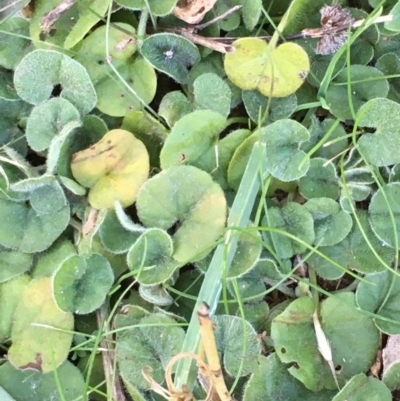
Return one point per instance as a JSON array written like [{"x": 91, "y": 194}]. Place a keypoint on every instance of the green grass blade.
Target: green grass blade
[{"x": 211, "y": 289}]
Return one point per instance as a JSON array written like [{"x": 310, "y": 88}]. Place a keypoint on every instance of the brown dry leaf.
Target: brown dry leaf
[
  {"x": 193, "y": 11},
  {"x": 391, "y": 353}
]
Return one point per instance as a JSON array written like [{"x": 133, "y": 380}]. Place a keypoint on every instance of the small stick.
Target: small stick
[
  {"x": 199, "y": 27},
  {"x": 49, "y": 19}
]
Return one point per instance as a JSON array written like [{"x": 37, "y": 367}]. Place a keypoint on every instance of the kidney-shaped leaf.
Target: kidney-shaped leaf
[
  {"x": 381, "y": 294},
  {"x": 114, "y": 169},
  {"x": 171, "y": 54},
  {"x": 153, "y": 344},
  {"x": 150, "y": 257},
  {"x": 37, "y": 347},
  {"x": 294, "y": 219},
  {"x": 47, "y": 120},
  {"x": 65, "y": 384},
  {"x": 337, "y": 97},
  {"x": 361, "y": 387},
  {"x": 191, "y": 137},
  {"x": 331, "y": 224},
  {"x": 384, "y": 214},
  {"x": 33, "y": 226},
  {"x": 381, "y": 147},
  {"x": 187, "y": 197},
  {"x": 271, "y": 381},
  {"x": 283, "y": 140},
  {"x": 10, "y": 294},
  {"x": 40, "y": 70},
  {"x": 211, "y": 92},
  {"x": 349, "y": 332},
  {"x": 276, "y": 72},
  {"x": 230, "y": 333},
  {"x": 81, "y": 284},
  {"x": 321, "y": 180}
]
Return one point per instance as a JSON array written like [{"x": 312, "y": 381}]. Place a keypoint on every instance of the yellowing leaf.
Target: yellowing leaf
[
  {"x": 114, "y": 169},
  {"x": 41, "y": 333},
  {"x": 275, "y": 72}
]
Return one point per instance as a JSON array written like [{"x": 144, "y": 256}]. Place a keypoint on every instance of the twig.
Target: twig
[
  {"x": 49, "y": 19},
  {"x": 199, "y": 27}
]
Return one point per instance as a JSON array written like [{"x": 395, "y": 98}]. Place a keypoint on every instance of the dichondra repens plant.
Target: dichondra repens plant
[{"x": 199, "y": 200}]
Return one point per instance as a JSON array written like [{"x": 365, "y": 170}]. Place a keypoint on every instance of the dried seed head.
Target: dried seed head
[{"x": 333, "y": 17}]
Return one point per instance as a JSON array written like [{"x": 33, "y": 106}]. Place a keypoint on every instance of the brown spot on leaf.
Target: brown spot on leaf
[{"x": 37, "y": 365}]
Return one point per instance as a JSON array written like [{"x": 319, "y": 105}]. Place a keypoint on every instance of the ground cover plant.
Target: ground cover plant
[{"x": 199, "y": 200}]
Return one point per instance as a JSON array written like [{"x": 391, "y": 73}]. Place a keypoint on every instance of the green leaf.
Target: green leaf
[
  {"x": 47, "y": 120},
  {"x": 274, "y": 72},
  {"x": 40, "y": 347},
  {"x": 13, "y": 45},
  {"x": 279, "y": 108},
  {"x": 212, "y": 93},
  {"x": 10, "y": 294},
  {"x": 292, "y": 218},
  {"x": 337, "y": 98},
  {"x": 40, "y": 70},
  {"x": 251, "y": 12},
  {"x": 156, "y": 294},
  {"x": 298, "y": 346},
  {"x": 283, "y": 139},
  {"x": 380, "y": 294},
  {"x": 349, "y": 332},
  {"x": 150, "y": 257},
  {"x": 171, "y": 54},
  {"x": 48, "y": 262},
  {"x": 91, "y": 131},
  {"x": 11, "y": 115},
  {"x": 353, "y": 252},
  {"x": 361, "y": 387},
  {"x": 318, "y": 129},
  {"x": 28, "y": 385},
  {"x": 114, "y": 169},
  {"x": 237, "y": 342},
  {"x": 191, "y": 137},
  {"x": 155, "y": 7},
  {"x": 271, "y": 381},
  {"x": 189, "y": 196},
  {"x": 174, "y": 105},
  {"x": 380, "y": 148},
  {"x": 384, "y": 214},
  {"x": 81, "y": 284},
  {"x": 331, "y": 224},
  {"x": 114, "y": 236},
  {"x": 389, "y": 64},
  {"x": 33, "y": 226},
  {"x": 394, "y": 24},
  {"x": 247, "y": 254},
  {"x": 89, "y": 15},
  {"x": 153, "y": 343},
  {"x": 320, "y": 180},
  {"x": 147, "y": 129},
  {"x": 13, "y": 264},
  {"x": 139, "y": 81}
]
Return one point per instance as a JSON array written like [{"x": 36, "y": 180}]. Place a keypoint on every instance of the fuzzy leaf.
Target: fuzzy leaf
[
  {"x": 171, "y": 54},
  {"x": 114, "y": 169},
  {"x": 81, "y": 284},
  {"x": 35, "y": 347},
  {"x": 274, "y": 72},
  {"x": 40, "y": 70},
  {"x": 189, "y": 196}
]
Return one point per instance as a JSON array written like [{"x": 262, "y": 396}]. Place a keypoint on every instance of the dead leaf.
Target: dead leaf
[{"x": 193, "y": 11}]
